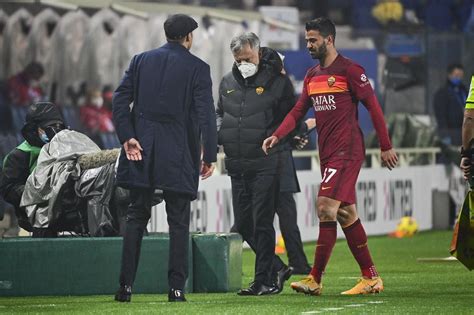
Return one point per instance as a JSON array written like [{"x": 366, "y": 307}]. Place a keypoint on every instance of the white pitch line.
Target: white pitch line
[
  {"x": 35, "y": 305},
  {"x": 354, "y": 305},
  {"x": 329, "y": 309}
]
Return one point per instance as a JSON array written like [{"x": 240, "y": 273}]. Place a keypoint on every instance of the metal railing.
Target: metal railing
[{"x": 406, "y": 157}]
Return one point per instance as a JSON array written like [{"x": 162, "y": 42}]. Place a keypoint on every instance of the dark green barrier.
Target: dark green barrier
[
  {"x": 217, "y": 262},
  {"x": 81, "y": 266}
]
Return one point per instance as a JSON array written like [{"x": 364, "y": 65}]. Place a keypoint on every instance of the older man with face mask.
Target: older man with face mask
[{"x": 253, "y": 99}]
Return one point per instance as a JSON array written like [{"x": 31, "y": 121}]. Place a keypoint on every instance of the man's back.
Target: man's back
[
  {"x": 173, "y": 110},
  {"x": 163, "y": 75}
]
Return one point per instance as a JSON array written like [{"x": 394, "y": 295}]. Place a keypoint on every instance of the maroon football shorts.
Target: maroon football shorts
[{"x": 339, "y": 180}]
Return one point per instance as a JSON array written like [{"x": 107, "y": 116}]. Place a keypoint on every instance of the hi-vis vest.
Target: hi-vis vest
[
  {"x": 32, "y": 150},
  {"x": 470, "y": 97}
]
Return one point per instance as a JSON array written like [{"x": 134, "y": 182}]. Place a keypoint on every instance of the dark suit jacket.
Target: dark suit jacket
[{"x": 173, "y": 112}]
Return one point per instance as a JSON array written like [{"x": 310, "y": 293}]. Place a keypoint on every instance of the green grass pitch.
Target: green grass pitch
[{"x": 410, "y": 288}]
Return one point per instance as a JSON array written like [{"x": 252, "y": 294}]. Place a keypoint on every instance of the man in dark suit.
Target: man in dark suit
[{"x": 161, "y": 134}]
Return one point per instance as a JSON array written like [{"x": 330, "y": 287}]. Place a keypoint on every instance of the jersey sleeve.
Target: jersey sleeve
[
  {"x": 359, "y": 82},
  {"x": 470, "y": 97},
  {"x": 296, "y": 114}
]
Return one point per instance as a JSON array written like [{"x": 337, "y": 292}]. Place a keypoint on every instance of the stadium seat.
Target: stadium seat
[
  {"x": 71, "y": 118},
  {"x": 362, "y": 18}
]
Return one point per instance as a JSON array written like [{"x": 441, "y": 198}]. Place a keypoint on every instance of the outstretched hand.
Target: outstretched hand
[
  {"x": 389, "y": 159},
  {"x": 269, "y": 143},
  {"x": 133, "y": 149}
]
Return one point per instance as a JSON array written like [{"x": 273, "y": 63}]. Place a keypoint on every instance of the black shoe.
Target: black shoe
[
  {"x": 301, "y": 270},
  {"x": 257, "y": 288},
  {"x": 124, "y": 294},
  {"x": 176, "y": 295},
  {"x": 281, "y": 276}
]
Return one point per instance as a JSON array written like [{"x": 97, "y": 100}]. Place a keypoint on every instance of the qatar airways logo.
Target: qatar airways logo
[{"x": 323, "y": 102}]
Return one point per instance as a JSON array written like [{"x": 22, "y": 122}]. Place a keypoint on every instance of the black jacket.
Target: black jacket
[
  {"x": 249, "y": 110},
  {"x": 13, "y": 176},
  {"x": 449, "y": 111}
]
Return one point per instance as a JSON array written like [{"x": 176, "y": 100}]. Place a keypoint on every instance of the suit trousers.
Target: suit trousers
[
  {"x": 138, "y": 214},
  {"x": 254, "y": 199},
  {"x": 287, "y": 217}
]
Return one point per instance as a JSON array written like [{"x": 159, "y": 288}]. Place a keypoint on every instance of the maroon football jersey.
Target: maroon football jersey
[{"x": 334, "y": 93}]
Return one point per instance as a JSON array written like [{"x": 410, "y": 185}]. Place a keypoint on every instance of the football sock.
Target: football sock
[
  {"x": 326, "y": 240},
  {"x": 357, "y": 241}
]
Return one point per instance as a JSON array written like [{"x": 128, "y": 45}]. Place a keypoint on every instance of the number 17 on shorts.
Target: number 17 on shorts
[
  {"x": 328, "y": 174},
  {"x": 339, "y": 180}
]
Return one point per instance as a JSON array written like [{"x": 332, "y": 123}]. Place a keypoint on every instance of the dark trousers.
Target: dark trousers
[
  {"x": 44, "y": 233},
  {"x": 287, "y": 216},
  {"x": 254, "y": 210},
  {"x": 138, "y": 214}
]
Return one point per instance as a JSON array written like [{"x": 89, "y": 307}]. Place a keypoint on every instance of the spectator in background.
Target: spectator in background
[
  {"x": 449, "y": 103},
  {"x": 107, "y": 94},
  {"x": 94, "y": 115},
  {"x": 24, "y": 88}
]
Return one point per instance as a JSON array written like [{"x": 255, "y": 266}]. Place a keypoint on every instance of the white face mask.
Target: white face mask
[
  {"x": 98, "y": 102},
  {"x": 247, "y": 69}
]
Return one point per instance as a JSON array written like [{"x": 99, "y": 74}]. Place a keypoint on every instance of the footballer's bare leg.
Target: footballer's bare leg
[
  {"x": 327, "y": 213},
  {"x": 357, "y": 241},
  {"x": 347, "y": 215}
]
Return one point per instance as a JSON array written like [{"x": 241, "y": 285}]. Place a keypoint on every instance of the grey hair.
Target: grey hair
[{"x": 238, "y": 42}]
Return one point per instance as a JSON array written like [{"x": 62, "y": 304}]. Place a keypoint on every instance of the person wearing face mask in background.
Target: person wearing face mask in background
[
  {"x": 94, "y": 115},
  {"x": 43, "y": 122},
  {"x": 253, "y": 100},
  {"x": 24, "y": 88},
  {"x": 449, "y": 103}
]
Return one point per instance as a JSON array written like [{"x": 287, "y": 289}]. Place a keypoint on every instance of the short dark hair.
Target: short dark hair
[
  {"x": 454, "y": 66},
  {"x": 35, "y": 68},
  {"x": 179, "y": 41},
  {"x": 324, "y": 25}
]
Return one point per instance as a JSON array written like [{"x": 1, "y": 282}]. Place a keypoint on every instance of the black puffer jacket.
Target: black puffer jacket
[{"x": 249, "y": 110}]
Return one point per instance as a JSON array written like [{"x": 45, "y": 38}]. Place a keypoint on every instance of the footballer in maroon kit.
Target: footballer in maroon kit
[{"x": 334, "y": 88}]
